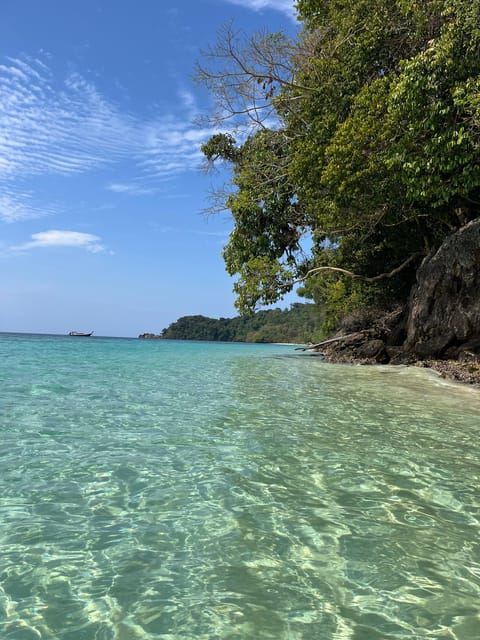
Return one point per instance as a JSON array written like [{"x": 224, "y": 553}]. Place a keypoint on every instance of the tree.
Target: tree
[
  {"x": 265, "y": 245},
  {"x": 373, "y": 153},
  {"x": 243, "y": 74},
  {"x": 299, "y": 324}
]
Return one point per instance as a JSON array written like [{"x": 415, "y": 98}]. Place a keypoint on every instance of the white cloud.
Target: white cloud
[
  {"x": 58, "y": 238},
  {"x": 49, "y": 128},
  {"x": 285, "y": 6},
  {"x": 17, "y": 205},
  {"x": 44, "y": 130},
  {"x": 130, "y": 189},
  {"x": 188, "y": 100}
]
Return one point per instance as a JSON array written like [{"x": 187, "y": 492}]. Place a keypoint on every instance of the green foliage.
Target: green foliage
[
  {"x": 300, "y": 324},
  {"x": 265, "y": 243},
  {"x": 375, "y": 156},
  {"x": 431, "y": 103},
  {"x": 261, "y": 279},
  {"x": 220, "y": 146}
]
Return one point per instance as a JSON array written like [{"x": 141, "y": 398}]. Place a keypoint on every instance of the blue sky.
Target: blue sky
[{"x": 101, "y": 196}]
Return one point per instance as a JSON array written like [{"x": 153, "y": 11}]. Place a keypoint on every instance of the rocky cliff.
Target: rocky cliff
[
  {"x": 441, "y": 321},
  {"x": 444, "y": 313}
]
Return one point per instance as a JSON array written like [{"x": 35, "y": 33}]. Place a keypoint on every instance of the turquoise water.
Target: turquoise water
[{"x": 172, "y": 490}]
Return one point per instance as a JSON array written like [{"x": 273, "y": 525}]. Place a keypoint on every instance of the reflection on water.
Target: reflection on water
[{"x": 186, "y": 491}]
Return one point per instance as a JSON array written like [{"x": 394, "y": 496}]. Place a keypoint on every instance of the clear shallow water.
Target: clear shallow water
[{"x": 217, "y": 491}]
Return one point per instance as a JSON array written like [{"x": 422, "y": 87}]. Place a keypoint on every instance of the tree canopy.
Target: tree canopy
[
  {"x": 301, "y": 323},
  {"x": 367, "y": 155}
]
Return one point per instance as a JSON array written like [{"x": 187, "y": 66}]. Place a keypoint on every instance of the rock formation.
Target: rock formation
[
  {"x": 444, "y": 313},
  {"x": 441, "y": 321}
]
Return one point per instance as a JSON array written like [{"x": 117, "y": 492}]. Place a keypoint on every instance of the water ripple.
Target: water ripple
[{"x": 190, "y": 491}]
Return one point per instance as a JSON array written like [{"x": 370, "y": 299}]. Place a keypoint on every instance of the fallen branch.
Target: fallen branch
[{"x": 330, "y": 340}]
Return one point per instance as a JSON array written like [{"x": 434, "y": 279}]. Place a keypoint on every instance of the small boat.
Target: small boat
[{"x": 79, "y": 334}]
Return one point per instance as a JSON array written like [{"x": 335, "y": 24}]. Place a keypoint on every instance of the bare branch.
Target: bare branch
[
  {"x": 218, "y": 197},
  {"x": 245, "y": 75},
  {"x": 356, "y": 276},
  {"x": 398, "y": 269},
  {"x": 314, "y": 347}
]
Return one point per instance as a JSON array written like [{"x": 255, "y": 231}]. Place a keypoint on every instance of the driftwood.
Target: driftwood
[{"x": 313, "y": 347}]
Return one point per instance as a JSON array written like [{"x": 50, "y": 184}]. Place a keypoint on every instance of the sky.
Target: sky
[{"x": 102, "y": 198}]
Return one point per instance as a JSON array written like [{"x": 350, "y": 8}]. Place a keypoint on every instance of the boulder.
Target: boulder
[
  {"x": 444, "y": 313},
  {"x": 362, "y": 347},
  {"x": 373, "y": 351}
]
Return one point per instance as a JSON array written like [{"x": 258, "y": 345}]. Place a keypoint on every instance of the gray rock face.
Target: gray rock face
[{"x": 444, "y": 318}]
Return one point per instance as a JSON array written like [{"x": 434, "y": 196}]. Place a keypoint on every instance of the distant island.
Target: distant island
[{"x": 300, "y": 324}]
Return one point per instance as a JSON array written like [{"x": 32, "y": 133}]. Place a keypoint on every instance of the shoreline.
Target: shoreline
[
  {"x": 463, "y": 372},
  {"x": 363, "y": 348},
  {"x": 466, "y": 372}
]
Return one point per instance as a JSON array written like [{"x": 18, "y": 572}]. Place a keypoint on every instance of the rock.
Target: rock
[
  {"x": 439, "y": 328},
  {"x": 445, "y": 304},
  {"x": 395, "y": 324},
  {"x": 466, "y": 372},
  {"x": 373, "y": 351},
  {"x": 358, "y": 347}
]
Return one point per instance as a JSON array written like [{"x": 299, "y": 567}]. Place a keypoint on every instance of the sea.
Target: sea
[{"x": 173, "y": 490}]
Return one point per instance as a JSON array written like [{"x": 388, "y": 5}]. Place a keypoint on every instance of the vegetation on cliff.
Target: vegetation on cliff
[
  {"x": 354, "y": 149},
  {"x": 300, "y": 324}
]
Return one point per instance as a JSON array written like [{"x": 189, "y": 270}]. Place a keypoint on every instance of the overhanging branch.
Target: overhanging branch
[{"x": 356, "y": 276}]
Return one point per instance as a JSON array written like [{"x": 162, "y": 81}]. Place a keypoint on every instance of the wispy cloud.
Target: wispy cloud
[
  {"x": 285, "y": 6},
  {"x": 197, "y": 232},
  {"x": 44, "y": 130},
  {"x": 52, "y": 128},
  {"x": 17, "y": 205},
  {"x": 188, "y": 100},
  {"x": 58, "y": 238},
  {"x": 131, "y": 189}
]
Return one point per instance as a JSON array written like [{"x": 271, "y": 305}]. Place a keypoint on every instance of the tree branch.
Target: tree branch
[
  {"x": 381, "y": 276},
  {"x": 314, "y": 347}
]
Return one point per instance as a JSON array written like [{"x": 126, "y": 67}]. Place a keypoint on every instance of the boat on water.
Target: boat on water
[{"x": 80, "y": 334}]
